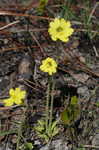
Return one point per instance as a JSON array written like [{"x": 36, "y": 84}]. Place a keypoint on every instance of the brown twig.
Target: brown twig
[
  {"x": 8, "y": 13},
  {"x": 41, "y": 49},
  {"x": 9, "y": 25}
]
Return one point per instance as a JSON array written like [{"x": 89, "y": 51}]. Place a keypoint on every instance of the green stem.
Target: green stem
[
  {"x": 47, "y": 105},
  {"x": 20, "y": 130},
  {"x": 19, "y": 137},
  {"x": 51, "y": 106}
]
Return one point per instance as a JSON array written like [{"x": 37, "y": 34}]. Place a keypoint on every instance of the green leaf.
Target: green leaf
[
  {"x": 56, "y": 131},
  {"x": 80, "y": 148},
  {"x": 49, "y": 132},
  {"x": 39, "y": 128},
  {"x": 71, "y": 113},
  {"x": 65, "y": 116},
  {"x": 3, "y": 133},
  {"x": 54, "y": 124},
  {"x": 41, "y": 122},
  {"x": 97, "y": 104},
  {"x": 28, "y": 146},
  {"x": 74, "y": 100},
  {"x": 44, "y": 136}
]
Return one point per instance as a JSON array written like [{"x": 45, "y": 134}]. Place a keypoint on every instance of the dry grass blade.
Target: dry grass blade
[
  {"x": 8, "y": 13},
  {"x": 9, "y": 25}
]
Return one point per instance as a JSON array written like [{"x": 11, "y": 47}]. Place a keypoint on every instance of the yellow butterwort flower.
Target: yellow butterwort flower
[
  {"x": 16, "y": 97},
  {"x": 8, "y": 102},
  {"x": 49, "y": 65},
  {"x": 60, "y": 29}
]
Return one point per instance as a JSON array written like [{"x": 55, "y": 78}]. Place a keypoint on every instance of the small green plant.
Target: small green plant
[
  {"x": 48, "y": 134},
  {"x": 71, "y": 113},
  {"x": 69, "y": 116},
  {"x": 47, "y": 128}
]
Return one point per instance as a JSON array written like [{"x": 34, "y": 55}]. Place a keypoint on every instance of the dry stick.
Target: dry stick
[
  {"x": 93, "y": 10},
  {"x": 83, "y": 66},
  {"x": 89, "y": 19},
  {"x": 23, "y": 15},
  {"x": 18, "y": 48},
  {"x": 88, "y": 70},
  {"x": 9, "y": 25},
  {"x": 8, "y": 107},
  {"x": 25, "y": 82},
  {"x": 91, "y": 146},
  {"x": 83, "y": 30},
  {"x": 95, "y": 50},
  {"x": 31, "y": 30},
  {"x": 38, "y": 86},
  {"x": 41, "y": 49}
]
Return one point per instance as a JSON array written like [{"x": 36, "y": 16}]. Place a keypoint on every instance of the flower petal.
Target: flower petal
[{"x": 8, "y": 102}]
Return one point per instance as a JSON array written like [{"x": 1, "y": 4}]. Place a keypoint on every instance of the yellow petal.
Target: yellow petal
[
  {"x": 8, "y": 102},
  {"x": 11, "y": 92}
]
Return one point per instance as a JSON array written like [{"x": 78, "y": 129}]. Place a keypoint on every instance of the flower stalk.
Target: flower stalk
[
  {"x": 47, "y": 105},
  {"x": 51, "y": 106}
]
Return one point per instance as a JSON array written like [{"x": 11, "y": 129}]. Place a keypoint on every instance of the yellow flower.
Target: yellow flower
[
  {"x": 16, "y": 97},
  {"x": 60, "y": 29},
  {"x": 49, "y": 65},
  {"x": 8, "y": 102}
]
